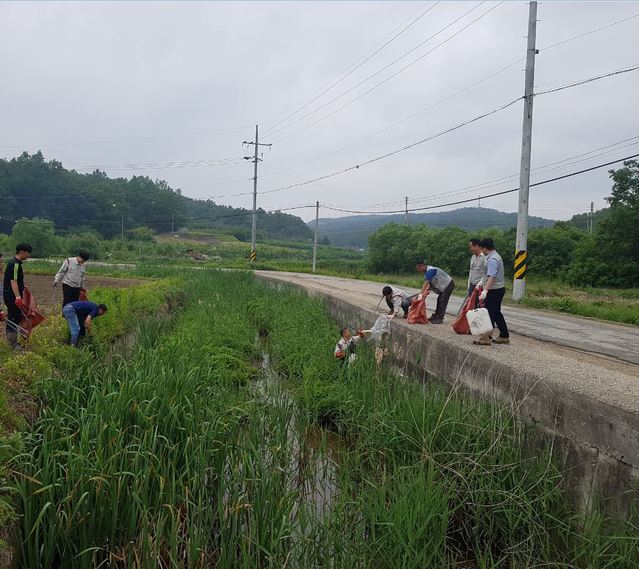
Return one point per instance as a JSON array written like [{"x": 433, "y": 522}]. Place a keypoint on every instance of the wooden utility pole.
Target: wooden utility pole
[
  {"x": 256, "y": 159},
  {"x": 316, "y": 233}
]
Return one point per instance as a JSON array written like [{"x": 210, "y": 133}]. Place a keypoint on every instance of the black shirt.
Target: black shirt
[{"x": 13, "y": 272}]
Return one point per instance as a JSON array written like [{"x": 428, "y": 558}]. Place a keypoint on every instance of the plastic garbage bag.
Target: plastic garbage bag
[
  {"x": 381, "y": 328},
  {"x": 479, "y": 321},
  {"x": 417, "y": 311},
  {"x": 461, "y": 325}
]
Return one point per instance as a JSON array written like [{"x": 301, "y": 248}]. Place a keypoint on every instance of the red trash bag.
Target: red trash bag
[
  {"x": 417, "y": 312},
  {"x": 460, "y": 325},
  {"x": 83, "y": 294},
  {"x": 31, "y": 316}
]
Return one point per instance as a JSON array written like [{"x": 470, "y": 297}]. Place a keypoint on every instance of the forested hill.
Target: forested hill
[
  {"x": 30, "y": 187},
  {"x": 354, "y": 231}
]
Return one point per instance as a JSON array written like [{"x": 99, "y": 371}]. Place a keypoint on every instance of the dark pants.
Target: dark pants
[
  {"x": 442, "y": 302},
  {"x": 14, "y": 314},
  {"x": 493, "y": 305},
  {"x": 69, "y": 294}
]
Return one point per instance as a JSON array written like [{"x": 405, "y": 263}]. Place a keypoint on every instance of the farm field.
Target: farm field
[{"x": 229, "y": 436}]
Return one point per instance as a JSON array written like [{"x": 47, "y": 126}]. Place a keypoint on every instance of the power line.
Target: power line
[
  {"x": 402, "y": 69},
  {"x": 555, "y": 179},
  {"x": 449, "y": 97},
  {"x": 392, "y": 153},
  {"x": 347, "y": 68},
  {"x": 335, "y": 83},
  {"x": 584, "y": 34},
  {"x": 437, "y": 135},
  {"x": 164, "y": 165},
  {"x": 570, "y": 161},
  {"x": 134, "y": 139},
  {"x": 589, "y": 80},
  {"x": 401, "y": 121}
]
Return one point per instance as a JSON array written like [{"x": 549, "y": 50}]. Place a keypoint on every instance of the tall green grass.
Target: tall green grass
[
  {"x": 433, "y": 478},
  {"x": 181, "y": 454}
]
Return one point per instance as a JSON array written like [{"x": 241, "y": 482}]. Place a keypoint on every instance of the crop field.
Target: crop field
[{"x": 228, "y": 436}]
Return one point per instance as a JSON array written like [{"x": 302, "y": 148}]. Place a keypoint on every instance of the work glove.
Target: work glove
[
  {"x": 340, "y": 355},
  {"x": 55, "y": 284},
  {"x": 483, "y": 295},
  {"x": 360, "y": 333},
  {"x": 19, "y": 303},
  {"x": 478, "y": 285}
]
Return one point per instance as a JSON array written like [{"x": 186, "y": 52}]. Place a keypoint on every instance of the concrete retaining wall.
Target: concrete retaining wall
[{"x": 596, "y": 444}]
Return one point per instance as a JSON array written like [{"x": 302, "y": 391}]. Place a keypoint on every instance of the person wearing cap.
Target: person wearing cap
[
  {"x": 442, "y": 283},
  {"x": 71, "y": 275}
]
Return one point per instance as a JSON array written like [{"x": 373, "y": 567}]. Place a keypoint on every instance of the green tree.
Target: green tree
[
  {"x": 39, "y": 233},
  {"x": 611, "y": 257}
]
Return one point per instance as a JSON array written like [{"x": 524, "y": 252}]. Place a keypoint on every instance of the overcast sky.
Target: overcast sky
[{"x": 146, "y": 84}]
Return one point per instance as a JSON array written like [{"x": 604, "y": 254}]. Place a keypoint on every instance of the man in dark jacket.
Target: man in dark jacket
[
  {"x": 13, "y": 287},
  {"x": 80, "y": 315}
]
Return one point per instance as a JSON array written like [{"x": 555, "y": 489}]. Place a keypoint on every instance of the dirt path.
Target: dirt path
[{"x": 40, "y": 286}]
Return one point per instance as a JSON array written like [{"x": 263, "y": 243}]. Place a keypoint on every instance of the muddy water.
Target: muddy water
[{"x": 315, "y": 452}]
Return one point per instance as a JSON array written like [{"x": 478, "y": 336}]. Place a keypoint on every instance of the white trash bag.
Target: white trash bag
[
  {"x": 479, "y": 321},
  {"x": 381, "y": 328}
]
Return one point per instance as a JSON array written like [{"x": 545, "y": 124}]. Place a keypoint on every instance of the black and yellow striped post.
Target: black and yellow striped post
[
  {"x": 520, "y": 264},
  {"x": 253, "y": 256}
]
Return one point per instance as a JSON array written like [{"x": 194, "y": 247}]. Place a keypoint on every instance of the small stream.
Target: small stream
[{"x": 315, "y": 451}]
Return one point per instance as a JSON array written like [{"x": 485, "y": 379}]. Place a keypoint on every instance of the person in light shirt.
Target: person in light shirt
[
  {"x": 345, "y": 347},
  {"x": 71, "y": 275}
]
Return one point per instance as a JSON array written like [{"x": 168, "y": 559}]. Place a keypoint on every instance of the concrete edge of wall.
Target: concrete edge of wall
[{"x": 595, "y": 444}]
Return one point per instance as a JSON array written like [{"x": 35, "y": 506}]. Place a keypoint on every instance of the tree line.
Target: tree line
[
  {"x": 609, "y": 257},
  {"x": 32, "y": 187}
]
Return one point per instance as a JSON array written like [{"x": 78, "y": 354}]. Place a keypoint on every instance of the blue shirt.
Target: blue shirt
[
  {"x": 437, "y": 278},
  {"x": 84, "y": 308}
]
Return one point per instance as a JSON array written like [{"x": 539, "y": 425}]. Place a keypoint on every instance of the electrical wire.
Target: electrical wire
[
  {"x": 163, "y": 165},
  {"x": 347, "y": 68},
  {"x": 584, "y": 34},
  {"x": 565, "y": 162},
  {"x": 134, "y": 139},
  {"x": 335, "y": 83},
  {"x": 376, "y": 86},
  {"x": 621, "y": 71},
  {"x": 543, "y": 182},
  {"x": 490, "y": 76}
]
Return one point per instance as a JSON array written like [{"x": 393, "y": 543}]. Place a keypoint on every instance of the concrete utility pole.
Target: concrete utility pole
[
  {"x": 172, "y": 222},
  {"x": 122, "y": 226},
  {"x": 519, "y": 284},
  {"x": 406, "y": 210},
  {"x": 256, "y": 159},
  {"x": 316, "y": 232},
  {"x": 591, "y": 219}
]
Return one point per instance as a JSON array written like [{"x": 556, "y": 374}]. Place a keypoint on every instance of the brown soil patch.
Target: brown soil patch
[{"x": 50, "y": 299}]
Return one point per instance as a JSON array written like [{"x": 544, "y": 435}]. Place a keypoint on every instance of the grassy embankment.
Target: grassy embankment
[
  {"x": 182, "y": 457},
  {"x": 47, "y": 358}
]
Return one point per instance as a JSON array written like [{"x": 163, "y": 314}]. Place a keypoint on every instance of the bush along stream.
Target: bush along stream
[{"x": 194, "y": 451}]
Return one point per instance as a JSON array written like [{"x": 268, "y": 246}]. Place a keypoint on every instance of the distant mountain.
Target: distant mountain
[{"x": 354, "y": 231}]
